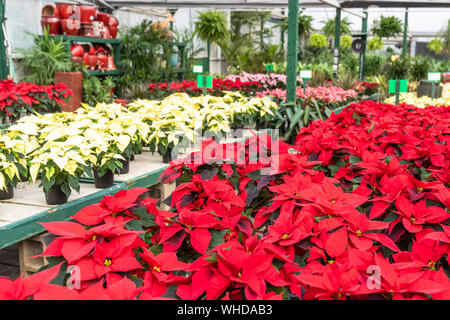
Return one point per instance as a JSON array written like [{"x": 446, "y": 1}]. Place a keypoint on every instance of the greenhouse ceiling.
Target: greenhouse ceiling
[{"x": 267, "y": 4}]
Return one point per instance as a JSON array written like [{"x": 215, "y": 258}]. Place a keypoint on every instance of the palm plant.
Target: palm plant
[
  {"x": 211, "y": 26},
  {"x": 420, "y": 66},
  {"x": 304, "y": 28},
  {"x": 329, "y": 28},
  {"x": 192, "y": 50},
  {"x": 47, "y": 56}
]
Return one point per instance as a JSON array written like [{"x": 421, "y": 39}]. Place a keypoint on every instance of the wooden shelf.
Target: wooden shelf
[
  {"x": 115, "y": 43},
  {"x": 87, "y": 39},
  {"x": 104, "y": 73}
]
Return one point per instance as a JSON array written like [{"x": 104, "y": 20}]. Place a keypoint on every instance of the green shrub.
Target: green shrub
[{"x": 318, "y": 40}]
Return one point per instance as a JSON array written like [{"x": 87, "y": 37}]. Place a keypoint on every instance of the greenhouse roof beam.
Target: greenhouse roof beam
[
  {"x": 237, "y": 4},
  {"x": 202, "y": 4},
  {"x": 335, "y": 4},
  {"x": 394, "y": 4}
]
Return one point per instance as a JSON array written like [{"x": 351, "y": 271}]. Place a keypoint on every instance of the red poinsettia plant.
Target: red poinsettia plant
[
  {"x": 367, "y": 88},
  {"x": 357, "y": 208},
  {"x": 16, "y": 98},
  {"x": 163, "y": 89}
]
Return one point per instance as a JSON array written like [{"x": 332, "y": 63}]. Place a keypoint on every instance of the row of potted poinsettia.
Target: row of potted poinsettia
[
  {"x": 23, "y": 97},
  {"x": 60, "y": 148},
  {"x": 356, "y": 209},
  {"x": 99, "y": 141},
  {"x": 179, "y": 117}
]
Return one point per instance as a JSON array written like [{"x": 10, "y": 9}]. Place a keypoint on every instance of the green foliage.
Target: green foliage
[
  {"x": 397, "y": 68},
  {"x": 242, "y": 55},
  {"x": 387, "y": 27},
  {"x": 330, "y": 25},
  {"x": 447, "y": 36},
  {"x": 97, "y": 90},
  {"x": 318, "y": 40},
  {"x": 192, "y": 49},
  {"x": 374, "y": 44},
  {"x": 304, "y": 25},
  {"x": 211, "y": 26},
  {"x": 436, "y": 45},
  {"x": 47, "y": 56},
  {"x": 345, "y": 42},
  {"x": 420, "y": 66},
  {"x": 347, "y": 78},
  {"x": 144, "y": 56},
  {"x": 350, "y": 61},
  {"x": 321, "y": 73},
  {"x": 373, "y": 64}
]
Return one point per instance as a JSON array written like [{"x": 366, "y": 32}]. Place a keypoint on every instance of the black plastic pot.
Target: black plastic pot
[
  {"x": 167, "y": 157},
  {"x": 132, "y": 157},
  {"x": 8, "y": 193},
  {"x": 55, "y": 195},
  {"x": 125, "y": 167},
  {"x": 261, "y": 125},
  {"x": 105, "y": 181},
  {"x": 425, "y": 88}
]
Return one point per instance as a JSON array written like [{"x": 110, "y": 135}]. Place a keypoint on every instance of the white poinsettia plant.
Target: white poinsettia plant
[{"x": 58, "y": 163}]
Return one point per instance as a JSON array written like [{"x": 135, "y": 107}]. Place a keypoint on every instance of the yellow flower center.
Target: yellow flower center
[
  {"x": 107, "y": 262},
  {"x": 285, "y": 236},
  {"x": 93, "y": 238},
  {"x": 358, "y": 233},
  {"x": 239, "y": 275},
  {"x": 331, "y": 261},
  {"x": 157, "y": 269},
  {"x": 333, "y": 201},
  {"x": 419, "y": 189},
  {"x": 413, "y": 219}
]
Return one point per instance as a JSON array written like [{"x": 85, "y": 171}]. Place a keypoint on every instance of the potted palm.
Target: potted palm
[{"x": 48, "y": 62}]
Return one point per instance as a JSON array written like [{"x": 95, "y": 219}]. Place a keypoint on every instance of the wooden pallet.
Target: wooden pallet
[
  {"x": 36, "y": 245},
  {"x": 29, "y": 248}
]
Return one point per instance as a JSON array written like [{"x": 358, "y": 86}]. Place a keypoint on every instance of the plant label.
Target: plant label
[
  {"x": 305, "y": 74},
  {"x": 204, "y": 81},
  {"x": 403, "y": 86},
  {"x": 434, "y": 76},
  {"x": 209, "y": 82},
  {"x": 269, "y": 67},
  {"x": 197, "y": 69},
  {"x": 200, "y": 81}
]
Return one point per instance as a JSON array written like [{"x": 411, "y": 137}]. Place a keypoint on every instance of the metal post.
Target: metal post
[
  {"x": 432, "y": 90},
  {"x": 363, "y": 54},
  {"x": 405, "y": 34},
  {"x": 204, "y": 85},
  {"x": 172, "y": 12},
  {"x": 282, "y": 33},
  {"x": 292, "y": 51},
  {"x": 208, "y": 48},
  {"x": 397, "y": 92},
  {"x": 337, "y": 35},
  {"x": 4, "y": 66}
]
